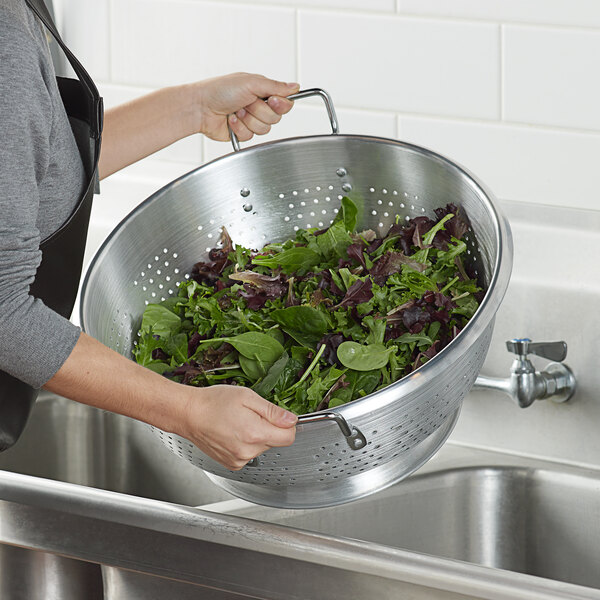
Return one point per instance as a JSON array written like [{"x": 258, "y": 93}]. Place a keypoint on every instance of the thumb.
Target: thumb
[
  {"x": 274, "y": 414},
  {"x": 264, "y": 88}
]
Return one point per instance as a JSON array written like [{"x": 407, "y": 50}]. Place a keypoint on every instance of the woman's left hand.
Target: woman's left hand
[{"x": 240, "y": 98}]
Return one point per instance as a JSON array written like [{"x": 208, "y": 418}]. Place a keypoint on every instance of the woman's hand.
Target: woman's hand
[
  {"x": 241, "y": 97},
  {"x": 233, "y": 425},
  {"x": 147, "y": 124}
]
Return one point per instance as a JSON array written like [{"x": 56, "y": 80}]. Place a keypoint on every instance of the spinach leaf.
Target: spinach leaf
[
  {"x": 159, "y": 320},
  {"x": 266, "y": 385},
  {"x": 258, "y": 346},
  {"x": 299, "y": 259},
  {"x": 305, "y": 324},
  {"x": 363, "y": 358},
  {"x": 252, "y": 344},
  {"x": 253, "y": 368}
]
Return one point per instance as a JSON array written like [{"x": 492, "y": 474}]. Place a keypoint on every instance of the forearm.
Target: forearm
[
  {"x": 139, "y": 128},
  {"x": 230, "y": 424},
  {"x": 145, "y": 125},
  {"x": 96, "y": 375}
]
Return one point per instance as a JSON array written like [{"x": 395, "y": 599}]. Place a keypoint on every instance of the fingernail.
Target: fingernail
[
  {"x": 289, "y": 417},
  {"x": 233, "y": 119},
  {"x": 241, "y": 113},
  {"x": 293, "y": 85}
]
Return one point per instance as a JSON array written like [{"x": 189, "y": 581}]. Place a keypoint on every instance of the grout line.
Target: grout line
[
  {"x": 494, "y": 122},
  {"x": 414, "y": 115},
  {"x": 110, "y": 17},
  {"x": 502, "y": 71},
  {"x": 398, "y": 12},
  {"x": 297, "y": 16}
]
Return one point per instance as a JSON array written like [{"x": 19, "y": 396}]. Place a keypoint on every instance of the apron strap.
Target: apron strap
[{"x": 96, "y": 111}]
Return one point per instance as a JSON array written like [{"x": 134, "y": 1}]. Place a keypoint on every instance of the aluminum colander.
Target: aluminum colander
[{"x": 264, "y": 194}]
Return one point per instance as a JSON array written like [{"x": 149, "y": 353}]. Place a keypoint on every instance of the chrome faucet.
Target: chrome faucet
[{"x": 526, "y": 385}]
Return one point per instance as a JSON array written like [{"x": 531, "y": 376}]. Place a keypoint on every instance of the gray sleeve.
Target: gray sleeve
[{"x": 34, "y": 340}]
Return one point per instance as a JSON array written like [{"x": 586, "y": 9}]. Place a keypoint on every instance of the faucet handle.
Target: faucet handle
[{"x": 555, "y": 351}]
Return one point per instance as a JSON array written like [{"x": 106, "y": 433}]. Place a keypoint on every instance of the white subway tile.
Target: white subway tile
[
  {"x": 85, "y": 29},
  {"x": 517, "y": 163},
  {"x": 312, "y": 120},
  {"x": 362, "y": 5},
  {"x": 159, "y": 42},
  {"x": 403, "y": 64},
  {"x": 551, "y": 76},
  {"x": 585, "y": 13}
]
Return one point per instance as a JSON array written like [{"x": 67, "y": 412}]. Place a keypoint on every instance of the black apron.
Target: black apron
[{"x": 57, "y": 278}]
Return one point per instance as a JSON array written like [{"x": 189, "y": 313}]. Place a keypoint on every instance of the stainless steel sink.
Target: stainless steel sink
[
  {"x": 526, "y": 519},
  {"x": 93, "y": 507},
  {"x": 71, "y": 442}
]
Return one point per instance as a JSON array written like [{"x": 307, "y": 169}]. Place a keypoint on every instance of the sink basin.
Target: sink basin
[
  {"x": 529, "y": 520},
  {"x": 93, "y": 506},
  {"x": 71, "y": 442}
]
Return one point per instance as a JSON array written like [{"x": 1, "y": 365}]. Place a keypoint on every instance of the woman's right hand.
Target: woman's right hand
[{"x": 233, "y": 424}]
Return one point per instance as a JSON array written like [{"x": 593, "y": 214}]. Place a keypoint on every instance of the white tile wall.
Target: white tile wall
[
  {"x": 550, "y": 76},
  {"x": 155, "y": 43},
  {"x": 581, "y": 13},
  {"x": 508, "y": 88},
  {"x": 519, "y": 162},
  {"x": 396, "y": 63}
]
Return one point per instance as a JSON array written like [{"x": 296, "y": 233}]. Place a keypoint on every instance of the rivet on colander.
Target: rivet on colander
[
  {"x": 244, "y": 192},
  {"x": 341, "y": 172}
]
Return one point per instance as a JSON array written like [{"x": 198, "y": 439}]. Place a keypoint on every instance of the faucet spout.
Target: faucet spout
[{"x": 525, "y": 385}]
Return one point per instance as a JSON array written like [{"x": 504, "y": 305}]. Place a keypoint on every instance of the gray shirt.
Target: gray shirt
[{"x": 41, "y": 179}]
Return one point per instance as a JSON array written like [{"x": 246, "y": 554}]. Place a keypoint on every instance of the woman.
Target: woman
[{"x": 50, "y": 158}]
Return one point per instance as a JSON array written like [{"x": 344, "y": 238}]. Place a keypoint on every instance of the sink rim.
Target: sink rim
[{"x": 87, "y": 506}]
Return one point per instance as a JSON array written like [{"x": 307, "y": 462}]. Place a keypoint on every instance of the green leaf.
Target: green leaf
[
  {"x": 159, "y": 320},
  {"x": 305, "y": 324},
  {"x": 359, "y": 384},
  {"x": 295, "y": 259},
  {"x": 334, "y": 242},
  {"x": 253, "y": 368},
  {"x": 276, "y": 370},
  {"x": 420, "y": 339},
  {"x": 455, "y": 248},
  {"x": 376, "y": 330},
  {"x": 144, "y": 347},
  {"x": 348, "y": 214},
  {"x": 363, "y": 358},
  {"x": 255, "y": 345},
  {"x": 177, "y": 347},
  {"x": 428, "y": 237},
  {"x": 158, "y": 366}
]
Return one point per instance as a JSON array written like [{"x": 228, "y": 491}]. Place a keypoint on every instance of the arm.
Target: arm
[
  {"x": 139, "y": 128},
  {"x": 231, "y": 424}
]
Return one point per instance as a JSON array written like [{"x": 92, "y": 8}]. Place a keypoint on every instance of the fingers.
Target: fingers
[
  {"x": 263, "y": 87},
  {"x": 272, "y": 413},
  {"x": 258, "y": 117},
  {"x": 239, "y": 128},
  {"x": 234, "y": 424}
]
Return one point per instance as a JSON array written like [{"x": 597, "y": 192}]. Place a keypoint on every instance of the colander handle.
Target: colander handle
[
  {"x": 354, "y": 436},
  {"x": 299, "y": 96}
]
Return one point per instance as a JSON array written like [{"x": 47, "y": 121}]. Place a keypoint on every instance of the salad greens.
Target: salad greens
[{"x": 319, "y": 320}]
